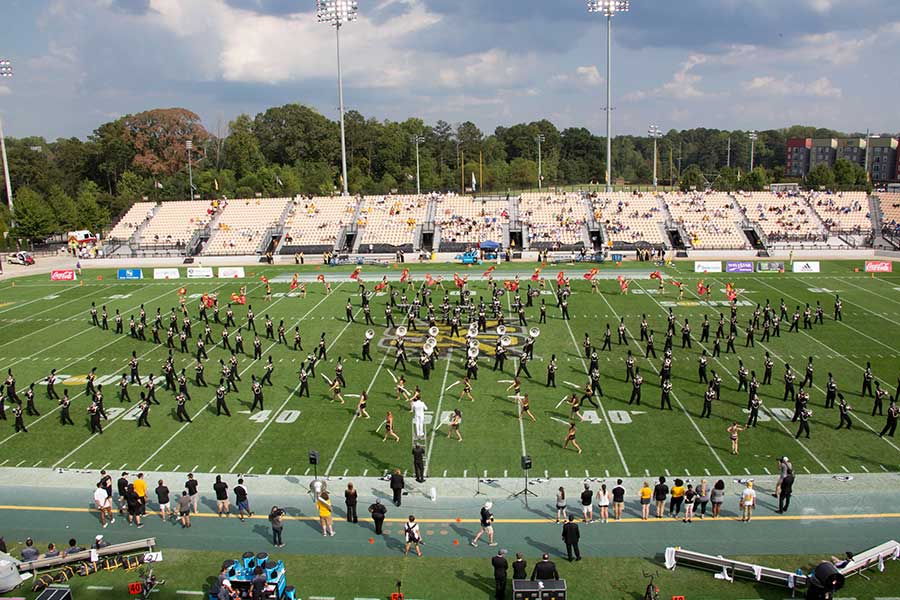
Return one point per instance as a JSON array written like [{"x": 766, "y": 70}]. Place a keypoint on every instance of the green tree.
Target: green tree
[
  {"x": 33, "y": 216},
  {"x": 242, "y": 153},
  {"x": 847, "y": 173},
  {"x": 820, "y": 176},
  {"x": 91, "y": 215},
  {"x": 757, "y": 180},
  {"x": 692, "y": 179},
  {"x": 64, "y": 210}
]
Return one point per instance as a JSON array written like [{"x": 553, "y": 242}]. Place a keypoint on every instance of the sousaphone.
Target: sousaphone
[
  {"x": 505, "y": 341},
  {"x": 534, "y": 332},
  {"x": 473, "y": 352},
  {"x": 433, "y": 331},
  {"x": 370, "y": 333},
  {"x": 401, "y": 331},
  {"x": 501, "y": 330}
]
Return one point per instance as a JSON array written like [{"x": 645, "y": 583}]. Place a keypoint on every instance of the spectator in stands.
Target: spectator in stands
[
  {"x": 51, "y": 552},
  {"x": 73, "y": 548},
  {"x": 29, "y": 552}
]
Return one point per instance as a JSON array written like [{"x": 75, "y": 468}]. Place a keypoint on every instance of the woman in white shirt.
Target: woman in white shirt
[
  {"x": 603, "y": 503},
  {"x": 411, "y": 529},
  {"x": 561, "y": 505}
]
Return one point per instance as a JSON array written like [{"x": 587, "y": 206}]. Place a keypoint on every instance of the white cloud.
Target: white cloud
[
  {"x": 590, "y": 75},
  {"x": 683, "y": 85},
  {"x": 788, "y": 86}
]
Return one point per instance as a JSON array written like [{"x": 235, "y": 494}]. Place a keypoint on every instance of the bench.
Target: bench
[
  {"x": 871, "y": 558},
  {"x": 733, "y": 568},
  {"x": 133, "y": 547}
]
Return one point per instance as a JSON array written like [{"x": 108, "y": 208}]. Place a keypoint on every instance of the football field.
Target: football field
[{"x": 46, "y": 325}]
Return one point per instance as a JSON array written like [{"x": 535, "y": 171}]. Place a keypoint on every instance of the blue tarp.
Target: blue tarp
[{"x": 489, "y": 245}]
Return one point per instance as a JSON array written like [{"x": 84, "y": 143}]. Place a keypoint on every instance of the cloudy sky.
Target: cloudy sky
[{"x": 736, "y": 64}]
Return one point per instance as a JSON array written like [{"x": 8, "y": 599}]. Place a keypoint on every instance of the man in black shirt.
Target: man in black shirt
[
  {"x": 162, "y": 496},
  {"x": 520, "y": 567},
  {"x": 241, "y": 499},
  {"x": 378, "y": 511},
  {"x": 545, "y": 570},
  {"x": 787, "y": 488},
  {"x": 191, "y": 486},
  {"x": 501, "y": 566},
  {"x": 396, "y": 484},
  {"x": 418, "y": 453},
  {"x": 122, "y": 488},
  {"x": 571, "y": 535},
  {"x": 221, "y": 490}
]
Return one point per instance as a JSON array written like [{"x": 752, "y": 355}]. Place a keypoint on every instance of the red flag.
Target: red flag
[
  {"x": 655, "y": 275},
  {"x": 536, "y": 275},
  {"x": 404, "y": 276},
  {"x": 489, "y": 271},
  {"x": 590, "y": 274},
  {"x": 320, "y": 277},
  {"x": 561, "y": 278},
  {"x": 677, "y": 284}
]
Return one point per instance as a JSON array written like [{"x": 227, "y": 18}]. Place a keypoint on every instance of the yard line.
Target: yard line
[
  {"x": 195, "y": 468},
  {"x": 846, "y": 470},
  {"x": 859, "y": 287},
  {"x": 766, "y": 469},
  {"x": 269, "y": 470},
  {"x": 599, "y": 401},
  {"x": 36, "y": 464},
  {"x": 159, "y": 467},
  {"x": 863, "y": 467},
  {"x": 55, "y": 307},
  {"x": 707, "y": 472},
  {"x": 203, "y": 408},
  {"x": 436, "y": 421},
  {"x": 21, "y": 462},
  {"x": 288, "y": 472},
  {"x": 677, "y": 401}
]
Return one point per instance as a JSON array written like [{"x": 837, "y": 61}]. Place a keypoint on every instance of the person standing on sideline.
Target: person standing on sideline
[
  {"x": 276, "y": 520},
  {"x": 787, "y": 488},
  {"x": 690, "y": 498},
  {"x": 561, "y": 505},
  {"x": 784, "y": 465},
  {"x": 520, "y": 567},
  {"x": 501, "y": 568},
  {"x": 411, "y": 531},
  {"x": 646, "y": 494},
  {"x": 545, "y": 570},
  {"x": 104, "y": 505},
  {"x": 378, "y": 511},
  {"x": 702, "y": 497},
  {"x": 487, "y": 525},
  {"x": 184, "y": 509},
  {"x": 571, "y": 535},
  {"x": 660, "y": 493},
  {"x": 242, "y": 500},
  {"x": 140, "y": 488},
  {"x": 191, "y": 486},
  {"x": 221, "y": 490},
  {"x": 717, "y": 498},
  {"x": 397, "y": 484},
  {"x": 418, "y": 453},
  {"x": 618, "y": 500},
  {"x": 587, "y": 504},
  {"x": 350, "y": 498},
  {"x": 748, "y": 502},
  {"x": 676, "y": 499},
  {"x": 603, "y": 503},
  {"x": 323, "y": 504},
  {"x": 162, "y": 497}
]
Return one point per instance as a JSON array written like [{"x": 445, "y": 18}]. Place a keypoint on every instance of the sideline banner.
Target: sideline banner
[
  {"x": 806, "y": 266},
  {"x": 879, "y": 266},
  {"x": 130, "y": 274},
  {"x": 166, "y": 274},
  {"x": 744, "y": 266},
  {"x": 769, "y": 267},
  {"x": 199, "y": 272},
  {"x": 63, "y": 275},
  {"x": 231, "y": 273},
  {"x": 707, "y": 266}
]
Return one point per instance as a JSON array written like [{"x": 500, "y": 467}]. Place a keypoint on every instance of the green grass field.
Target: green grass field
[{"x": 45, "y": 325}]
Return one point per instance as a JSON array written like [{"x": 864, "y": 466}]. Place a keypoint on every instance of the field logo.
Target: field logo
[
  {"x": 415, "y": 340},
  {"x": 765, "y": 266},
  {"x": 166, "y": 274},
  {"x": 231, "y": 273},
  {"x": 130, "y": 274},
  {"x": 707, "y": 266},
  {"x": 739, "y": 267},
  {"x": 63, "y": 275},
  {"x": 806, "y": 266},
  {"x": 199, "y": 273},
  {"x": 879, "y": 266}
]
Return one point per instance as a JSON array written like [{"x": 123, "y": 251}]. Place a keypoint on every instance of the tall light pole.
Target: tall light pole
[
  {"x": 540, "y": 138},
  {"x": 656, "y": 133},
  {"x": 189, "y": 144},
  {"x": 6, "y": 70},
  {"x": 336, "y": 13},
  {"x": 418, "y": 139},
  {"x": 753, "y": 137},
  {"x": 608, "y": 8}
]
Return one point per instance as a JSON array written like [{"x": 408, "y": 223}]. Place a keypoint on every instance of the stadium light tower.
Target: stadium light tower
[
  {"x": 608, "y": 8},
  {"x": 6, "y": 71},
  {"x": 336, "y": 13},
  {"x": 753, "y": 137},
  {"x": 540, "y": 138},
  {"x": 656, "y": 133},
  {"x": 189, "y": 144},
  {"x": 418, "y": 139}
]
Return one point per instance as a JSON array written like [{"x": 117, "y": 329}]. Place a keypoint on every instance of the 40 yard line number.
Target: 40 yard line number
[{"x": 284, "y": 417}]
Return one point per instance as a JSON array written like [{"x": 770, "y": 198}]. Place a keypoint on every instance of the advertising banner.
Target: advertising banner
[
  {"x": 130, "y": 274},
  {"x": 879, "y": 266},
  {"x": 765, "y": 266},
  {"x": 200, "y": 273},
  {"x": 63, "y": 275},
  {"x": 231, "y": 272},
  {"x": 739, "y": 267},
  {"x": 707, "y": 266},
  {"x": 806, "y": 266},
  {"x": 166, "y": 274}
]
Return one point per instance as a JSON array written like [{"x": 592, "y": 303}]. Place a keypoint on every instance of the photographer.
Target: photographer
[{"x": 276, "y": 518}]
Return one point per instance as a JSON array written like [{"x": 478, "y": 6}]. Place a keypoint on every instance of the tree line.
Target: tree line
[{"x": 71, "y": 183}]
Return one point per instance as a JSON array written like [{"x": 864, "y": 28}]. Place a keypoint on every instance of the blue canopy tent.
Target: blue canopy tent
[{"x": 489, "y": 245}]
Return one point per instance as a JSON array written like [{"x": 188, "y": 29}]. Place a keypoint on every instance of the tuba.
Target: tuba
[
  {"x": 505, "y": 341},
  {"x": 534, "y": 332},
  {"x": 401, "y": 331},
  {"x": 370, "y": 333},
  {"x": 501, "y": 330},
  {"x": 433, "y": 331}
]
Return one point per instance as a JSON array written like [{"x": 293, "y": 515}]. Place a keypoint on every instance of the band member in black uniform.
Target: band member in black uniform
[
  {"x": 528, "y": 348},
  {"x": 51, "y": 381},
  {"x": 298, "y": 339},
  {"x": 104, "y": 318},
  {"x": 890, "y": 427},
  {"x": 425, "y": 363},
  {"x": 64, "y": 418},
  {"x": 665, "y": 391},
  {"x": 820, "y": 314},
  {"x": 622, "y": 332},
  {"x": 499, "y": 356},
  {"x": 768, "y": 363},
  {"x": 564, "y": 306},
  {"x": 132, "y": 327},
  {"x": 742, "y": 376},
  {"x": 118, "y": 320},
  {"x": 795, "y": 320},
  {"x": 238, "y": 342},
  {"x": 155, "y": 331},
  {"x": 216, "y": 312},
  {"x": 551, "y": 371},
  {"x": 704, "y": 330},
  {"x": 521, "y": 313},
  {"x": 367, "y": 313},
  {"x": 543, "y": 314},
  {"x": 789, "y": 379},
  {"x": 267, "y": 375},
  {"x": 20, "y": 421},
  {"x": 807, "y": 317},
  {"x": 701, "y": 368},
  {"x": 607, "y": 339},
  {"x": 389, "y": 316},
  {"x": 650, "y": 350},
  {"x": 180, "y": 412},
  {"x": 523, "y": 366},
  {"x": 140, "y": 332},
  {"x": 595, "y": 360},
  {"x": 182, "y": 337},
  {"x": 170, "y": 338},
  {"x": 751, "y": 331},
  {"x": 636, "y": 383},
  {"x": 729, "y": 346},
  {"x": 323, "y": 348},
  {"x": 708, "y": 398},
  {"x": 89, "y": 385},
  {"x": 123, "y": 389},
  {"x": 644, "y": 327},
  {"x": 183, "y": 384},
  {"x": 94, "y": 413},
  {"x": 339, "y": 372},
  {"x": 233, "y": 365},
  {"x": 304, "y": 381},
  {"x": 686, "y": 334},
  {"x": 151, "y": 389},
  {"x": 868, "y": 376},
  {"x": 401, "y": 358},
  {"x": 221, "y": 391},
  {"x": 311, "y": 362},
  {"x": 586, "y": 344},
  {"x": 257, "y": 390},
  {"x": 145, "y": 412},
  {"x": 282, "y": 339},
  {"x": 665, "y": 372},
  {"x": 755, "y": 403},
  {"x": 800, "y": 403},
  {"x": 838, "y": 307},
  {"x": 270, "y": 328},
  {"x": 629, "y": 367},
  {"x": 830, "y": 391},
  {"x": 94, "y": 320},
  {"x": 595, "y": 382},
  {"x": 30, "y": 409},
  {"x": 251, "y": 324},
  {"x": 752, "y": 388},
  {"x": 805, "y": 415},
  {"x": 367, "y": 342},
  {"x": 880, "y": 395},
  {"x": 776, "y": 326},
  {"x": 98, "y": 400},
  {"x": 199, "y": 379},
  {"x": 201, "y": 349},
  {"x": 766, "y": 329},
  {"x": 257, "y": 348},
  {"x": 844, "y": 409},
  {"x": 169, "y": 374},
  {"x": 716, "y": 384}
]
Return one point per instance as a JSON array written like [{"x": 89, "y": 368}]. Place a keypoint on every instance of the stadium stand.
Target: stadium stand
[
  {"x": 313, "y": 224},
  {"x": 465, "y": 222},
  {"x": 243, "y": 224},
  {"x": 175, "y": 222},
  {"x": 890, "y": 213},
  {"x": 131, "y": 221},
  {"x": 629, "y": 218},
  {"x": 554, "y": 220},
  {"x": 390, "y": 222},
  {"x": 843, "y": 211},
  {"x": 782, "y": 217},
  {"x": 709, "y": 219}
]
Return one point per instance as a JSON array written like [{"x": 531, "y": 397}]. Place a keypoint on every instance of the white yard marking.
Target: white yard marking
[
  {"x": 805, "y": 469},
  {"x": 863, "y": 467},
  {"x": 707, "y": 472},
  {"x": 766, "y": 469},
  {"x": 437, "y": 421},
  {"x": 268, "y": 471}
]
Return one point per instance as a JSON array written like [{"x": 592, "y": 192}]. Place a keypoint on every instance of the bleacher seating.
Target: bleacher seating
[
  {"x": 242, "y": 225},
  {"x": 390, "y": 221},
  {"x": 709, "y": 219},
  {"x": 843, "y": 211},
  {"x": 175, "y": 222},
  {"x": 130, "y": 221},
  {"x": 313, "y": 224},
  {"x": 554, "y": 220},
  {"x": 465, "y": 222},
  {"x": 629, "y": 218},
  {"x": 890, "y": 212},
  {"x": 782, "y": 217}
]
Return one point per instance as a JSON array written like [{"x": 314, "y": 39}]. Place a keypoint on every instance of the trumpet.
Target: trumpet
[
  {"x": 534, "y": 332},
  {"x": 501, "y": 330},
  {"x": 505, "y": 341},
  {"x": 401, "y": 331},
  {"x": 370, "y": 333},
  {"x": 433, "y": 331}
]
